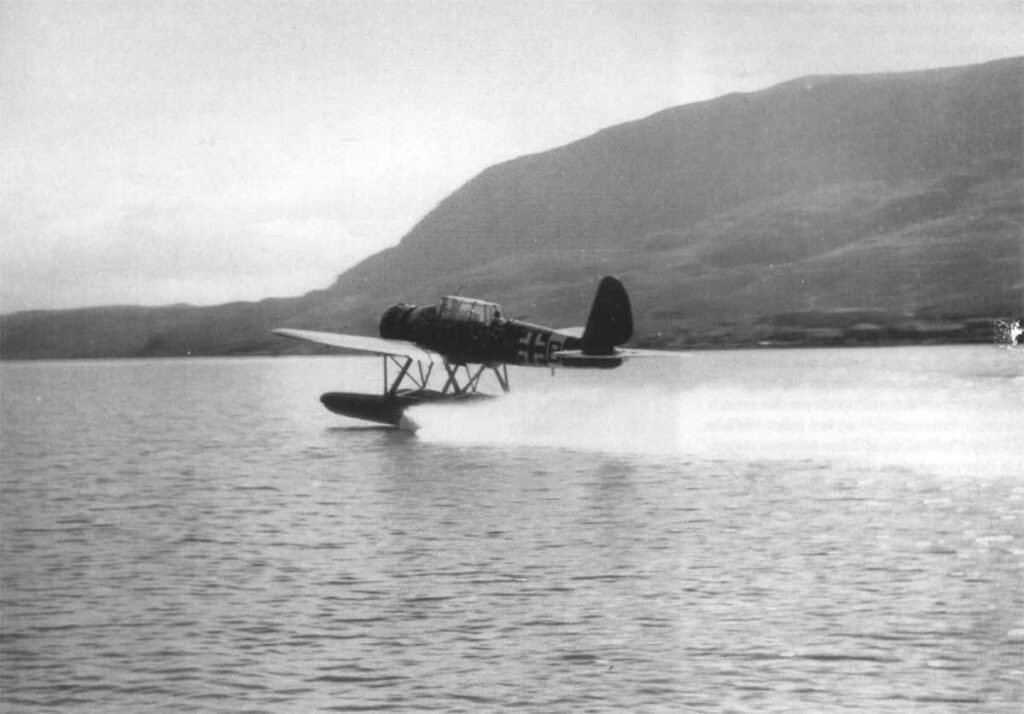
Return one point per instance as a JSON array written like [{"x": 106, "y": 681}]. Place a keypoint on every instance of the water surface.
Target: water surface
[{"x": 731, "y": 531}]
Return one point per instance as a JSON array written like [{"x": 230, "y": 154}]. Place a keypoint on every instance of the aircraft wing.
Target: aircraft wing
[{"x": 359, "y": 343}]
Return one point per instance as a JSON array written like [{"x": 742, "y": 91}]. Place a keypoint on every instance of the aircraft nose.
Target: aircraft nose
[{"x": 392, "y": 323}]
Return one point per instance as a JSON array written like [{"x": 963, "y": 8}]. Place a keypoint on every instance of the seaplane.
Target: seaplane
[{"x": 467, "y": 337}]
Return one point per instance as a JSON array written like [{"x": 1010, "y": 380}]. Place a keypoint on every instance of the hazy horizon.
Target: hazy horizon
[{"x": 175, "y": 153}]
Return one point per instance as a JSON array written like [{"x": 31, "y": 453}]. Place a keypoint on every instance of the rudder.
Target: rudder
[{"x": 611, "y": 319}]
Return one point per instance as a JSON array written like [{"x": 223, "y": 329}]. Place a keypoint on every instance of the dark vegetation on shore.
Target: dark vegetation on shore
[
  {"x": 854, "y": 328},
  {"x": 843, "y": 210}
]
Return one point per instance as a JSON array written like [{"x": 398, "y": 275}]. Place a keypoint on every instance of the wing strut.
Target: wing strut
[
  {"x": 453, "y": 386},
  {"x": 404, "y": 364},
  {"x": 501, "y": 372}
]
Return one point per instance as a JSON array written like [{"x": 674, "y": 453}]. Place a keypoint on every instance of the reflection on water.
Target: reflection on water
[{"x": 769, "y": 531}]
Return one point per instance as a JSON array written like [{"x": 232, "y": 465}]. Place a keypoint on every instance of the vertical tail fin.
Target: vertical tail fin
[{"x": 611, "y": 319}]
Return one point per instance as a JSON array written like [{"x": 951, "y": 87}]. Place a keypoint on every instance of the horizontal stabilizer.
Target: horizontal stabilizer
[
  {"x": 628, "y": 353},
  {"x": 619, "y": 354},
  {"x": 576, "y": 332},
  {"x": 359, "y": 343}
]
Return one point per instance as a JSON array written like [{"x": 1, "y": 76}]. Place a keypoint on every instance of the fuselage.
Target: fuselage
[{"x": 482, "y": 336}]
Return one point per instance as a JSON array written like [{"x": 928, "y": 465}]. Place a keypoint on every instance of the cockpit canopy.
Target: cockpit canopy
[{"x": 467, "y": 310}]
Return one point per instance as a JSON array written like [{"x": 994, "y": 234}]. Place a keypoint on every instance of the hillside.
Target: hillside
[{"x": 822, "y": 210}]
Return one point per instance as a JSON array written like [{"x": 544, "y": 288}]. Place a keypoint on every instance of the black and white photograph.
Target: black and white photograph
[{"x": 492, "y": 355}]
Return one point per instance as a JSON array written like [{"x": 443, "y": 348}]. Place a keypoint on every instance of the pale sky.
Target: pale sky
[{"x": 155, "y": 152}]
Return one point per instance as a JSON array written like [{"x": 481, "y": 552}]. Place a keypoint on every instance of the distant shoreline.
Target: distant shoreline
[
  {"x": 647, "y": 343},
  {"x": 831, "y": 329}
]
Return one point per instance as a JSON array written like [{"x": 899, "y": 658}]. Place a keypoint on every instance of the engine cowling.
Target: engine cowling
[
  {"x": 396, "y": 322},
  {"x": 408, "y": 322}
]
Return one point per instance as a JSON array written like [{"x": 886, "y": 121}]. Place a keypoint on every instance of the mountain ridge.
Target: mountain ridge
[{"x": 897, "y": 191}]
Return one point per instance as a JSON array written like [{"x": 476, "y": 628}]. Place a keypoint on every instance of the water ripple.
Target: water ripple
[{"x": 206, "y": 541}]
